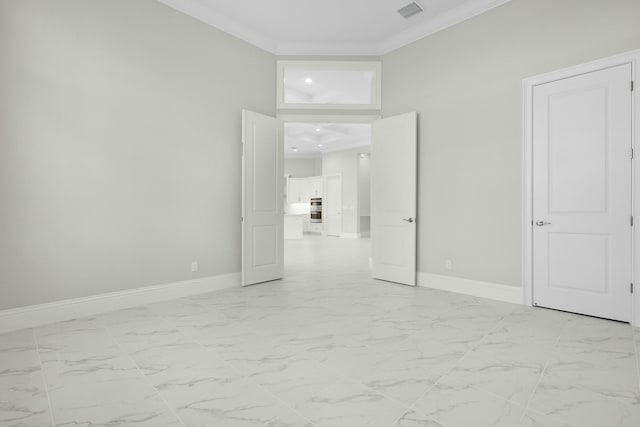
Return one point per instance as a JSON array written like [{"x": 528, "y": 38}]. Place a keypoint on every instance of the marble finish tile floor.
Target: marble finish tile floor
[{"x": 326, "y": 347}]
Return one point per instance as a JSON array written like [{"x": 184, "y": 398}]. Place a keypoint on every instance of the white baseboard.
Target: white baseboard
[
  {"x": 365, "y": 234},
  {"x": 42, "y": 314},
  {"x": 476, "y": 288}
]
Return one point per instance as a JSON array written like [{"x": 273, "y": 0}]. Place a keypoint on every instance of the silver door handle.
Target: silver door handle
[
  {"x": 408, "y": 219},
  {"x": 541, "y": 223}
]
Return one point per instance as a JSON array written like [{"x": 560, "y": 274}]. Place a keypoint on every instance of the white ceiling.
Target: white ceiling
[
  {"x": 330, "y": 27},
  {"x": 310, "y": 140}
]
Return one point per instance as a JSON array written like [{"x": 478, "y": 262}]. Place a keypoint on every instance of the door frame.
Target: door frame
[
  {"x": 327, "y": 118},
  {"x": 528, "y": 86}
]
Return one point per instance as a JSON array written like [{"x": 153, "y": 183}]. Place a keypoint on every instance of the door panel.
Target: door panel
[
  {"x": 582, "y": 194},
  {"x": 393, "y": 198},
  {"x": 262, "y": 199},
  {"x": 577, "y": 151},
  {"x": 567, "y": 269},
  {"x": 265, "y": 245}
]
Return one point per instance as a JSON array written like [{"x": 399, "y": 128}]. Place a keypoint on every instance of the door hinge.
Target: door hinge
[
  {"x": 632, "y": 220},
  {"x": 632, "y": 86},
  {"x": 632, "y": 153},
  {"x": 241, "y": 219},
  {"x": 631, "y": 287}
]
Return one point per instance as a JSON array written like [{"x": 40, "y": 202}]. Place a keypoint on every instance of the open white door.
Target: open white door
[
  {"x": 393, "y": 198},
  {"x": 582, "y": 193},
  {"x": 262, "y": 198}
]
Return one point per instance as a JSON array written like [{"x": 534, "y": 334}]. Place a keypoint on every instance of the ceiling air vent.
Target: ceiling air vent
[{"x": 409, "y": 10}]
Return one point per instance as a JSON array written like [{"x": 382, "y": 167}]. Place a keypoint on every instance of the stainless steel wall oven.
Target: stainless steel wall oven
[{"x": 316, "y": 209}]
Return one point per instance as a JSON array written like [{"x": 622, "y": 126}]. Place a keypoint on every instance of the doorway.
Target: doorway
[
  {"x": 396, "y": 198},
  {"x": 313, "y": 151},
  {"x": 321, "y": 153}
]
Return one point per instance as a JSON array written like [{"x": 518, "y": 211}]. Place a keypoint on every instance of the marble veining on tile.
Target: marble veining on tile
[{"x": 325, "y": 347}]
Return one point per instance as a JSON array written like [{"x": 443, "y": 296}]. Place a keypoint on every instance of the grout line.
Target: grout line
[
  {"x": 44, "y": 380},
  {"x": 245, "y": 324},
  {"x": 544, "y": 370},
  {"x": 499, "y": 321},
  {"x": 233, "y": 368},
  {"x": 242, "y": 324},
  {"x": 261, "y": 387},
  {"x": 411, "y": 407},
  {"x": 448, "y": 371},
  {"x": 330, "y": 368},
  {"x": 122, "y": 351}
]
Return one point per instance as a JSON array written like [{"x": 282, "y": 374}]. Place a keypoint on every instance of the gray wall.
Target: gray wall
[
  {"x": 465, "y": 83},
  {"x": 119, "y": 146}
]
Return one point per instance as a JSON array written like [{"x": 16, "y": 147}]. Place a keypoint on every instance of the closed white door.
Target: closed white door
[
  {"x": 582, "y": 194},
  {"x": 333, "y": 205},
  {"x": 262, "y": 198},
  {"x": 393, "y": 198}
]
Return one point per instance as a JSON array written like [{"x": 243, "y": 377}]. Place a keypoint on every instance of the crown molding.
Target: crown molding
[
  {"x": 202, "y": 13},
  {"x": 328, "y": 49},
  {"x": 441, "y": 22},
  {"x": 199, "y": 11}
]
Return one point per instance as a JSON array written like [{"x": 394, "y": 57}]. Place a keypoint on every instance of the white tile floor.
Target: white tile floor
[{"x": 327, "y": 346}]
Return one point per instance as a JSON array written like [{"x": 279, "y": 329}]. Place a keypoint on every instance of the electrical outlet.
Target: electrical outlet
[
  {"x": 447, "y": 264},
  {"x": 194, "y": 266}
]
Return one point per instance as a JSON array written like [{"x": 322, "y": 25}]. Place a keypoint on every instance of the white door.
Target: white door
[
  {"x": 582, "y": 194},
  {"x": 333, "y": 203},
  {"x": 262, "y": 198},
  {"x": 393, "y": 198}
]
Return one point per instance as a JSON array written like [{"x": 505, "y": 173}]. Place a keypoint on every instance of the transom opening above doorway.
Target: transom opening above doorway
[{"x": 335, "y": 85}]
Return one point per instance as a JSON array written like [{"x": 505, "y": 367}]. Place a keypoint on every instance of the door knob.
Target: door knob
[
  {"x": 408, "y": 219},
  {"x": 541, "y": 223}
]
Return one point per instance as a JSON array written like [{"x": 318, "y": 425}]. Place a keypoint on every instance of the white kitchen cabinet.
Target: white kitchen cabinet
[
  {"x": 293, "y": 225},
  {"x": 297, "y": 190},
  {"x": 305, "y": 223},
  {"x": 315, "y": 186},
  {"x": 315, "y": 227}
]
